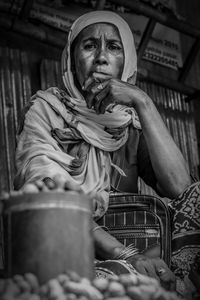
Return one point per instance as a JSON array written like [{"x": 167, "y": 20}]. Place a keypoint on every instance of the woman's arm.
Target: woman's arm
[
  {"x": 170, "y": 167},
  {"x": 106, "y": 246}
]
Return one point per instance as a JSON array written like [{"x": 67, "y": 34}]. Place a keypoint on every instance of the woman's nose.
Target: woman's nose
[{"x": 101, "y": 57}]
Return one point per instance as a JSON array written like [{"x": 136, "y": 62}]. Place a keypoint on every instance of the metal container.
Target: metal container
[{"x": 48, "y": 233}]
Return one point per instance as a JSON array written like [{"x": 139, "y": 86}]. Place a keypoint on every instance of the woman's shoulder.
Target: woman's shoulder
[
  {"x": 47, "y": 101},
  {"x": 44, "y": 104},
  {"x": 48, "y": 95}
]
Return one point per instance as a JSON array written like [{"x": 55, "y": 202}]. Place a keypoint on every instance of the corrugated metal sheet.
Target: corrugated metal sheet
[
  {"x": 15, "y": 90},
  {"x": 50, "y": 74}
]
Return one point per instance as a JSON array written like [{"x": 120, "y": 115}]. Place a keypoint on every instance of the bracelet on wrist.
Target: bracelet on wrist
[
  {"x": 127, "y": 252},
  {"x": 98, "y": 227}
]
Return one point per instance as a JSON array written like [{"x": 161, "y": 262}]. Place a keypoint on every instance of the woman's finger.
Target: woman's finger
[
  {"x": 161, "y": 267},
  {"x": 59, "y": 181},
  {"x": 41, "y": 186},
  {"x": 50, "y": 183},
  {"x": 167, "y": 277},
  {"x": 100, "y": 103},
  {"x": 72, "y": 186},
  {"x": 90, "y": 99},
  {"x": 87, "y": 83},
  {"x": 151, "y": 270},
  {"x": 94, "y": 92},
  {"x": 139, "y": 266},
  {"x": 91, "y": 93},
  {"x": 29, "y": 188},
  {"x": 95, "y": 78},
  {"x": 62, "y": 183},
  {"x": 141, "y": 269},
  {"x": 168, "y": 280}
]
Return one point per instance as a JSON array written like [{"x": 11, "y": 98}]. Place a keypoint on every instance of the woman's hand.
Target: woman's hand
[
  {"x": 102, "y": 93},
  {"x": 58, "y": 183},
  {"x": 154, "y": 267}
]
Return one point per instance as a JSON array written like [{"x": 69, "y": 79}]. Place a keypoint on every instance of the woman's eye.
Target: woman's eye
[
  {"x": 89, "y": 46},
  {"x": 114, "y": 47}
]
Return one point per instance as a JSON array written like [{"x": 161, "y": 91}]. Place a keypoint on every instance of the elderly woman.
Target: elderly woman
[{"x": 101, "y": 133}]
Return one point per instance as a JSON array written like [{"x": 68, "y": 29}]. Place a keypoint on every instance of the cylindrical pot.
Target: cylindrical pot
[{"x": 48, "y": 233}]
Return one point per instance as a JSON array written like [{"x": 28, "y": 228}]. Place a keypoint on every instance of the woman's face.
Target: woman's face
[{"x": 98, "y": 49}]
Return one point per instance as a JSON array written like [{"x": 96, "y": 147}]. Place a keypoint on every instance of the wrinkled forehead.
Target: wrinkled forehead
[{"x": 98, "y": 30}]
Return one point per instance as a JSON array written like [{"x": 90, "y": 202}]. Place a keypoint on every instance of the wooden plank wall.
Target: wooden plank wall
[{"x": 16, "y": 90}]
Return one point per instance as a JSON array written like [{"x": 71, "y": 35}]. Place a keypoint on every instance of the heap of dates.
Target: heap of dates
[{"x": 70, "y": 286}]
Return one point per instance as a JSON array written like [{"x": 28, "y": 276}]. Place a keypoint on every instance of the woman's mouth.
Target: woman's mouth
[{"x": 101, "y": 75}]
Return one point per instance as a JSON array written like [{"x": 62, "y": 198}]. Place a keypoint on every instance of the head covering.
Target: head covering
[{"x": 130, "y": 57}]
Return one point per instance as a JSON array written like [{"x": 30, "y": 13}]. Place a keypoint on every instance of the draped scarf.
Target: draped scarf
[{"x": 62, "y": 136}]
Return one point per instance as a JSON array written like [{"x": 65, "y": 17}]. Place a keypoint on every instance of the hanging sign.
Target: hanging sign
[{"x": 164, "y": 46}]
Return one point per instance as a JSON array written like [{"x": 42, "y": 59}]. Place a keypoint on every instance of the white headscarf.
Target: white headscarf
[{"x": 130, "y": 57}]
